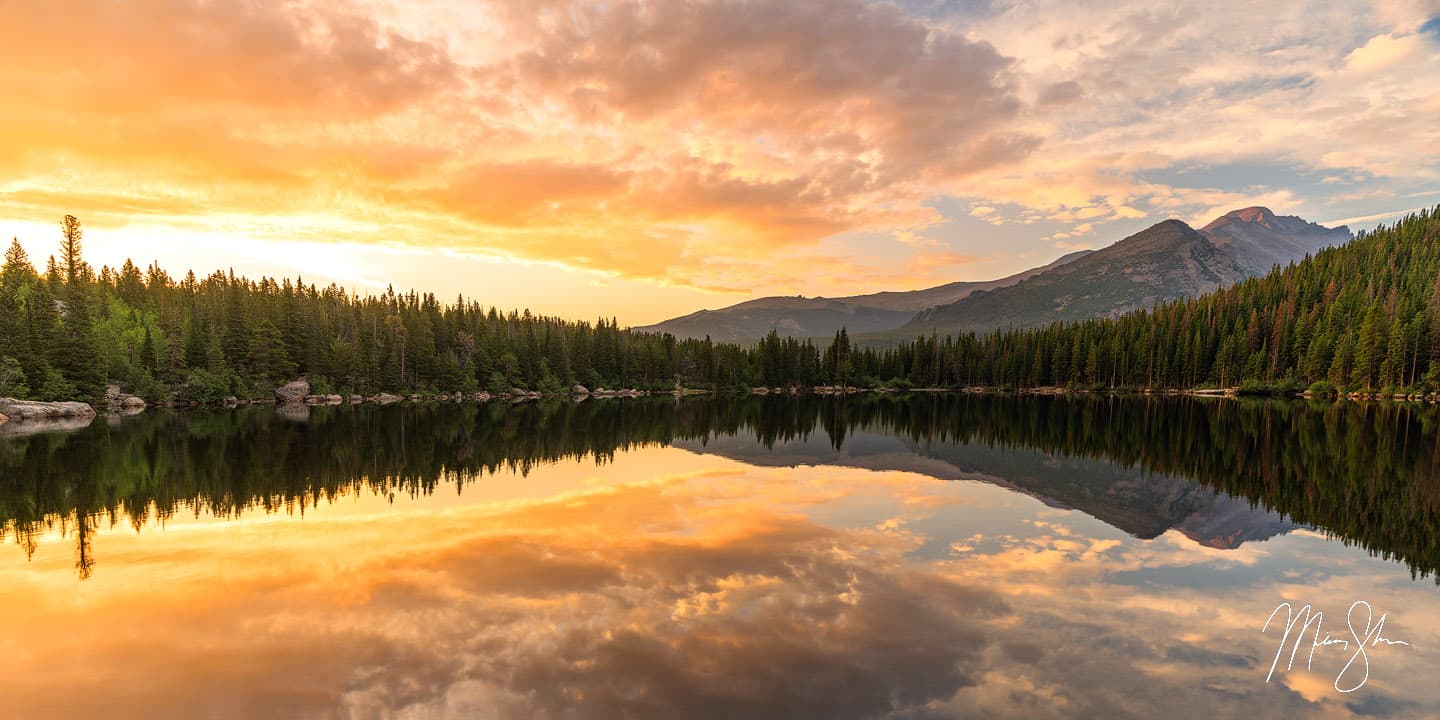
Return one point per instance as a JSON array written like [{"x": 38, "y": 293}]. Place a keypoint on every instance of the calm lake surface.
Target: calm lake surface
[{"x": 928, "y": 556}]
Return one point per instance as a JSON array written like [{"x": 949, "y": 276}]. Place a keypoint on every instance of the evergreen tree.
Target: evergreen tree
[{"x": 76, "y": 353}]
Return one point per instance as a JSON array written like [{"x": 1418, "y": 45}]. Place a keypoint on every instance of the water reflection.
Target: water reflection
[
  {"x": 1366, "y": 473},
  {"x": 966, "y": 557}
]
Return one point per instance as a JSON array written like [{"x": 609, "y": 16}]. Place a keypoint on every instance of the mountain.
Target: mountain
[
  {"x": 1258, "y": 240},
  {"x": 1167, "y": 261},
  {"x": 822, "y": 317}
]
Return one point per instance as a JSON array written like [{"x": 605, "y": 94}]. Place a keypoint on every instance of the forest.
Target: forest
[{"x": 1364, "y": 316}]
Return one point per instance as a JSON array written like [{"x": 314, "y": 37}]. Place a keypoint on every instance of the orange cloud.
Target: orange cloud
[{"x": 626, "y": 137}]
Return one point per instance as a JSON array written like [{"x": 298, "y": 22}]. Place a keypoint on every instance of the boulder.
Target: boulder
[
  {"x": 21, "y": 410},
  {"x": 333, "y": 399},
  {"x": 356, "y": 399},
  {"x": 579, "y": 390},
  {"x": 292, "y": 393},
  {"x": 4, "y": 419},
  {"x": 232, "y": 401},
  {"x": 387, "y": 398},
  {"x": 120, "y": 403}
]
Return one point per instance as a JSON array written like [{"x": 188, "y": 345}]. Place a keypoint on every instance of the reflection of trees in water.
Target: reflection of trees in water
[{"x": 1369, "y": 473}]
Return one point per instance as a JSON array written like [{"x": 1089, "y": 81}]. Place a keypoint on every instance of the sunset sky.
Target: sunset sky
[{"x": 646, "y": 159}]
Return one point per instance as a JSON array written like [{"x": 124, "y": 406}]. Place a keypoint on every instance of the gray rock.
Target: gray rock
[
  {"x": 22, "y": 410},
  {"x": 292, "y": 393},
  {"x": 579, "y": 390},
  {"x": 121, "y": 403},
  {"x": 387, "y": 398}
]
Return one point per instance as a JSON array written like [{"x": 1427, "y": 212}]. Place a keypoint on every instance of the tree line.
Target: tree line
[
  {"x": 1364, "y": 316},
  {"x": 64, "y": 333}
]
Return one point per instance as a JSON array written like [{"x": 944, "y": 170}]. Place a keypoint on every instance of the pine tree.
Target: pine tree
[{"x": 76, "y": 353}]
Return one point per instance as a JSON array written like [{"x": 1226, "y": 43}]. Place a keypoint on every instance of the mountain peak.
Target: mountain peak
[
  {"x": 1256, "y": 214},
  {"x": 1259, "y": 239}
]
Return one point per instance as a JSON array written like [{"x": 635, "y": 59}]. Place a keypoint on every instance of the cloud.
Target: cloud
[
  {"x": 700, "y": 144},
  {"x": 626, "y": 137}
]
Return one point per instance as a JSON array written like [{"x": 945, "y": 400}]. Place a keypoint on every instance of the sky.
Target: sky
[{"x": 643, "y": 159}]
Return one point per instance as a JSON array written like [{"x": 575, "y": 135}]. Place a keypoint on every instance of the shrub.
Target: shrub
[
  {"x": 12, "y": 379},
  {"x": 1324, "y": 389},
  {"x": 55, "y": 387},
  {"x": 203, "y": 386}
]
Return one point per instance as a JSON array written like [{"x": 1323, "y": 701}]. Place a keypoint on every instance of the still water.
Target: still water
[{"x": 872, "y": 557}]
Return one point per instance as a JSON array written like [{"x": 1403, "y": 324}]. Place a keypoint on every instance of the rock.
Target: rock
[
  {"x": 387, "y": 398},
  {"x": 333, "y": 399},
  {"x": 232, "y": 401},
  {"x": 356, "y": 399},
  {"x": 292, "y": 393},
  {"x": 22, "y": 410},
  {"x": 482, "y": 396},
  {"x": 121, "y": 403},
  {"x": 579, "y": 390},
  {"x": 4, "y": 419}
]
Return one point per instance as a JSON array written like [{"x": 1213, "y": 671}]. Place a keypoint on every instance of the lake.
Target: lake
[{"x": 920, "y": 556}]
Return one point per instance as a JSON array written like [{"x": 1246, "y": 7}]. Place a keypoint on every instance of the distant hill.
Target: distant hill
[
  {"x": 1166, "y": 261},
  {"x": 822, "y": 317}
]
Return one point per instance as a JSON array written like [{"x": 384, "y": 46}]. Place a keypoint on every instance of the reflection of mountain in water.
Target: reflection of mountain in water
[
  {"x": 1366, "y": 473},
  {"x": 1143, "y": 504}
]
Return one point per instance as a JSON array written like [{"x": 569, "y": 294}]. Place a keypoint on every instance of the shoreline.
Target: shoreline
[{"x": 15, "y": 414}]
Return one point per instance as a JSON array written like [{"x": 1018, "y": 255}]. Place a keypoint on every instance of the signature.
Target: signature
[{"x": 1362, "y": 638}]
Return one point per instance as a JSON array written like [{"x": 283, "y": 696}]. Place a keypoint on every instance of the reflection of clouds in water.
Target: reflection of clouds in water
[{"x": 709, "y": 594}]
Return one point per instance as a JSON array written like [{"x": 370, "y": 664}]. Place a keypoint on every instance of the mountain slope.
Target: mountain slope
[
  {"x": 1164, "y": 262},
  {"x": 822, "y": 317},
  {"x": 917, "y": 300},
  {"x": 1167, "y": 261}
]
